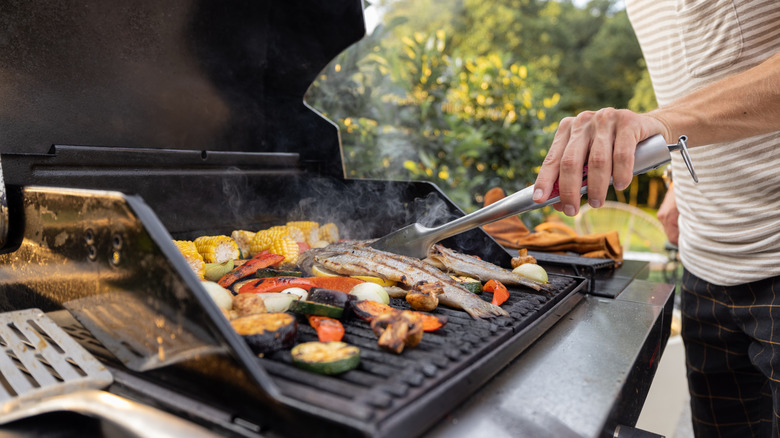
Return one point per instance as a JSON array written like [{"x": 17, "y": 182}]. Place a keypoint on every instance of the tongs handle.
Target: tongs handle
[{"x": 650, "y": 154}]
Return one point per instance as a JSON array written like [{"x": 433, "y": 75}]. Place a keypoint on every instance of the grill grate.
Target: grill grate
[
  {"x": 396, "y": 395},
  {"x": 385, "y": 383}
]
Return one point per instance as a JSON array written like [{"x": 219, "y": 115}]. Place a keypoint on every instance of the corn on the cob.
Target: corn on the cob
[
  {"x": 264, "y": 238},
  {"x": 217, "y": 249},
  {"x": 305, "y": 226},
  {"x": 192, "y": 256},
  {"x": 324, "y": 235},
  {"x": 286, "y": 247},
  {"x": 243, "y": 239}
]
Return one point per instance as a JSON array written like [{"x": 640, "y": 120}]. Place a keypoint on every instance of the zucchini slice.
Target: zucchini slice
[
  {"x": 312, "y": 308},
  {"x": 267, "y": 332},
  {"x": 270, "y": 272},
  {"x": 326, "y": 357},
  {"x": 471, "y": 286}
]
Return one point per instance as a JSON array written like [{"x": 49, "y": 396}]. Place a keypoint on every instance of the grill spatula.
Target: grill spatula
[
  {"x": 415, "y": 240},
  {"x": 43, "y": 370}
]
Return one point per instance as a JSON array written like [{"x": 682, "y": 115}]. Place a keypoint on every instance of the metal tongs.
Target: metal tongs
[{"x": 415, "y": 240}]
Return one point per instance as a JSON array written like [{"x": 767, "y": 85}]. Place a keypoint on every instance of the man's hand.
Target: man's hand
[
  {"x": 668, "y": 215},
  {"x": 605, "y": 141}
]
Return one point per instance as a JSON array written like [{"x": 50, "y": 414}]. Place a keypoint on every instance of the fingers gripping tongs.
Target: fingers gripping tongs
[{"x": 415, "y": 240}]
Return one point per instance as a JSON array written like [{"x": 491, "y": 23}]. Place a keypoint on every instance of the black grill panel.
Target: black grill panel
[{"x": 385, "y": 384}]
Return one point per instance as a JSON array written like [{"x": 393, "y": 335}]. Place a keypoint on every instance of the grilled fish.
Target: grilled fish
[
  {"x": 463, "y": 264},
  {"x": 354, "y": 258}
]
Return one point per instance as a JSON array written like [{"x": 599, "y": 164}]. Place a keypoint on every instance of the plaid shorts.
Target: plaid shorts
[{"x": 731, "y": 355}]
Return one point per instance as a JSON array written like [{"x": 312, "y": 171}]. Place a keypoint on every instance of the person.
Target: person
[{"x": 715, "y": 68}]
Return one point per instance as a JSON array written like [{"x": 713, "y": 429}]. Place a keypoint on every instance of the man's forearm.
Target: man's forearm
[{"x": 740, "y": 106}]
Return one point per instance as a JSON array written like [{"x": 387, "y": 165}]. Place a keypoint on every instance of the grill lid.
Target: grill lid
[{"x": 184, "y": 74}]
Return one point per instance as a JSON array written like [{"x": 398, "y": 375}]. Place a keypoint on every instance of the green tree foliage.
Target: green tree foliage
[{"x": 467, "y": 93}]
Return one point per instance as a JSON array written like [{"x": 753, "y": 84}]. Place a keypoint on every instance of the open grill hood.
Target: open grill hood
[{"x": 126, "y": 125}]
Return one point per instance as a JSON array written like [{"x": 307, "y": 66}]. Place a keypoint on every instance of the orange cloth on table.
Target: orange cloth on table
[
  {"x": 512, "y": 233},
  {"x": 508, "y": 230}
]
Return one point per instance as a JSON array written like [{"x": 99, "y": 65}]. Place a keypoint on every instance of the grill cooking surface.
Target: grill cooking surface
[
  {"x": 385, "y": 383},
  {"x": 400, "y": 395}
]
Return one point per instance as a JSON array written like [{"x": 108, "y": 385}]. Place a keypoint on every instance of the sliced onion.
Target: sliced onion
[
  {"x": 300, "y": 292},
  {"x": 277, "y": 301},
  {"x": 370, "y": 291},
  {"x": 221, "y": 296},
  {"x": 531, "y": 271}
]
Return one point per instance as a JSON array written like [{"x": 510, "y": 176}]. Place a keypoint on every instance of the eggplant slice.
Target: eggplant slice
[{"x": 267, "y": 332}]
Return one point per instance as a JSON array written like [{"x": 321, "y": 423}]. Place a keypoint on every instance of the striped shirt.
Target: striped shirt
[{"x": 730, "y": 220}]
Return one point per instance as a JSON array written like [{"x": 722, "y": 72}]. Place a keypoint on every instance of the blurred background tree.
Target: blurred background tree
[{"x": 468, "y": 93}]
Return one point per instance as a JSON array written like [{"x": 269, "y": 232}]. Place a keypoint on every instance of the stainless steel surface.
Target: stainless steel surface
[
  {"x": 415, "y": 240},
  {"x": 567, "y": 384},
  {"x": 40, "y": 360},
  {"x": 134, "y": 418}
]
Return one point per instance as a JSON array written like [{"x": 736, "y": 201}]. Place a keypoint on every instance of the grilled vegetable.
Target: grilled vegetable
[
  {"x": 267, "y": 332},
  {"x": 342, "y": 284},
  {"x": 499, "y": 291},
  {"x": 532, "y": 271},
  {"x": 398, "y": 330},
  {"x": 370, "y": 291},
  {"x": 243, "y": 239},
  {"x": 328, "y": 329},
  {"x": 424, "y": 296},
  {"x": 276, "y": 301},
  {"x": 251, "y": 266},
  {"x": 522, "y": 258},
  {"x": 275, "y": 284},
  {"x": 235, "y": 287},
  {"x": 248, "y": 304},
  {"x": 473, "y": 286},
  {"x": 192, "y": 256},
  {"x": 286, "y": 247},
  {"x": 321, "y": 271},
  {"x": 377, "y": 280},
  {"x": 368, "y": 310},
  {"x": 314, "y": 308},
  {"x": 328, "y": 296},
  {"x": 326, "y": 357},
  {"x": 323, "y": 235},
  {"x": 279, "y": 240},
  {"x": 301, "y": 293},
  {"x": 215, "y": 271},
  {"x": 217, "y": 249},
  {"x": 306, "y": 228},
  {"x": 221, "y": 296},
  {"x": 269, "y": 272}
]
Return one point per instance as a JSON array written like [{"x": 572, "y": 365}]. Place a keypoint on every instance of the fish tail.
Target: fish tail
[{"x": 484, "y": 310}]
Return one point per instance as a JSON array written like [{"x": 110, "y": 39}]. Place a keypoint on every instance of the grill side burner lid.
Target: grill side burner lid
[{"x": 185, "y": 74}]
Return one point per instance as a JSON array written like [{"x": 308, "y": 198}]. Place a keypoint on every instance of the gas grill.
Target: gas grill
[{"x": 128, "y": 125}]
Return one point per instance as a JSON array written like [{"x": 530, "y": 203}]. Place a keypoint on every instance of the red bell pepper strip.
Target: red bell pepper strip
[
  {"x": 278, "y": 284},
  {"x": 275, "y": 284},
  {"x": 328, "y": 329},
  {"x": 260, "y": 261},
  {"x": 499, "y": 291},
  {"x": 342, "y": 284}
]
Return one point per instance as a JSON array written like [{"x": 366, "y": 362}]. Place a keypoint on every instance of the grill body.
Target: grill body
[{"x": 129, "y": 124}]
